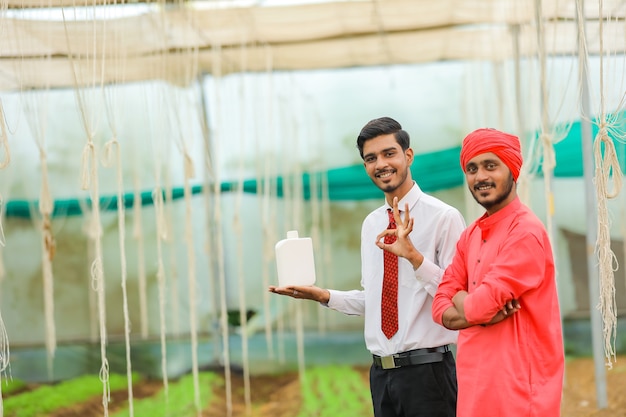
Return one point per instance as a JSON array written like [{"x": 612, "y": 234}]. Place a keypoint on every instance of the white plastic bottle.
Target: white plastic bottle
[{"x": 295, "y": 264}]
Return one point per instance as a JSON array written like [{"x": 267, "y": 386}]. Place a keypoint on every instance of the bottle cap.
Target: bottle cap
[{"x": 292, "y": 234}]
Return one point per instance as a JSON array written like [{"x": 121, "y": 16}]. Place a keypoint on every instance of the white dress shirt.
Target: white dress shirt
[{"x": 436, "y": 229}]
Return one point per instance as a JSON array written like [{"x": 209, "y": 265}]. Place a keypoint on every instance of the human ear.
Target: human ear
[{"x": 409, "y": 155}]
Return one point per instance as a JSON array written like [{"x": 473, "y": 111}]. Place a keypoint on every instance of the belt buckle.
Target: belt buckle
[{"x": 388, "y": 362}]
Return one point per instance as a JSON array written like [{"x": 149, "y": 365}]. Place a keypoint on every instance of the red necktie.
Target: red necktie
[{"x": 389, "y": 301}]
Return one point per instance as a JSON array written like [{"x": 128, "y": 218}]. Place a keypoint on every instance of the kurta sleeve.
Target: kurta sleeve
[{"x": 517, "y": 268}]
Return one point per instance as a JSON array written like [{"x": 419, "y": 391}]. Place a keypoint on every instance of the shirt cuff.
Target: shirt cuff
[
  {"x": 429, "y": 272},
  {"x": 334, "y": 299}
]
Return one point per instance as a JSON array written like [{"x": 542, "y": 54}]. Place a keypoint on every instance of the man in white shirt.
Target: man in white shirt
[{"x": 413, "y": 371}]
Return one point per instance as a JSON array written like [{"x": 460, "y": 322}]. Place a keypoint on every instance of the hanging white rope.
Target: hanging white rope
[
  {"x": 216, "y": 52},
  {"x": 170, "y": 246},
  {"x": 5, "y": 368},
  {"x": 316, "y": 199},
  {"x": 188, "y": 69},
  {"x": 189, "y": 174},
  {"x": 89, "y": 181},
  {"x": 138, "y": 236},
  {"x": 283, "y": 146},
  {"x": 157, "y": 197},
  {"x": 5, "y": 159},
  {"x": 112, "y": 157},
  {"x": 160, "y": 149},
  {"x": 243, "y": 319},
  {"x": 294, "y": 197},
  {"x": 5, "y": 151},
  {"x": 90, "y": 176},
  {"x": 526, "y": 175},
  {"x": 239, "y": 234},
  {"x": 48, "y": 250},
  {"x": 87, "y": 229},
  {"x": 546, "y": 138},
  {"x": 267, "y": 191},
  {"x": 547, "y": 166},
  {"x": 607, "y": 169},
  {"x": 36, "y": 117},
  {"x": 297, "y": 198},
  {"x": 327, "y": 271},
  {"x": 191, "y": 275},
  {"x": 222, "y": 292},
  {"x": 207, "y": 196}
]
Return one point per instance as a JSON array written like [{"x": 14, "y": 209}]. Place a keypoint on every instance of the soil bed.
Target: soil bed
[{"x": 279, "y": 395}]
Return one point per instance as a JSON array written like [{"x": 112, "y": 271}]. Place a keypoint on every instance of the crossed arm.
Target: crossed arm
[{"x": 454, "y": 317}]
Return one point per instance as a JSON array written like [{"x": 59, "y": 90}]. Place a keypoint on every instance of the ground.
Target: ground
[
  {"x": 579, "y": 394},
  {"x": 279, "y": 396}
]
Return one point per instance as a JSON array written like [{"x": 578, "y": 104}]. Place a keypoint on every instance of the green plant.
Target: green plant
[
  {"x": 334, "y": 390},
  {"x": 12, "y": 386},
  {"x": 48, "y": 398},
  {"x": 180, "y": 398}
]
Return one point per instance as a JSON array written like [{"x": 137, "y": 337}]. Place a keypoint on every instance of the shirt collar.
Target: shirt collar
[{"x": 411, "y": 198}]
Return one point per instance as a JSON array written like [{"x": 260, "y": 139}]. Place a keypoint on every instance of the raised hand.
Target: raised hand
[{"x": 403, "y": 246}]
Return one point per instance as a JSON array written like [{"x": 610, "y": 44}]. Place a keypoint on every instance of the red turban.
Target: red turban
[{"x": 505, "y": 146}]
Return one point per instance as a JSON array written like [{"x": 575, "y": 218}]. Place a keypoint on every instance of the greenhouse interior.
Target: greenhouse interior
[{"x": 154, "y": 153}]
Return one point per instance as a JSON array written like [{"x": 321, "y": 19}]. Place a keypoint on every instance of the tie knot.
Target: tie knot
[{"x": 392, "y": 221}]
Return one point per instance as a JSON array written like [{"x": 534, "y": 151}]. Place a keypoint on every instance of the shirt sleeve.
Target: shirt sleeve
[
  {"x": 431, "y": 272},
  {"x": 348, "y": 302},
  {"x": 454, "y": 280},
  {"x": 518, "y": 268}
]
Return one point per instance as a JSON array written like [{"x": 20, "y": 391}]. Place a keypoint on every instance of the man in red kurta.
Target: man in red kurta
[{"x": 500, "y": 292}]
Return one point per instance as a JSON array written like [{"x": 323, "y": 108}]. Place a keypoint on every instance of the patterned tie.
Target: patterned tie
[{"x": 389, "y": 302}]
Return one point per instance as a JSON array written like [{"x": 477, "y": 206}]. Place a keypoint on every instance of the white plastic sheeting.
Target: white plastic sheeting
[{"x": 178, "y": 41}]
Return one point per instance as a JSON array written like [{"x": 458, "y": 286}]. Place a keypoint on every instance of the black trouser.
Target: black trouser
[{"x": 427, "y": 390}]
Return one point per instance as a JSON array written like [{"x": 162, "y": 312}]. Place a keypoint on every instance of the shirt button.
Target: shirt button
[{"x": 478, "y": 261}]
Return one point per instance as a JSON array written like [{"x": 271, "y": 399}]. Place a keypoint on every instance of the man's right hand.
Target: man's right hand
[
  {"x": 510, "y": 308},
  {"x": 308, "y": 292}
]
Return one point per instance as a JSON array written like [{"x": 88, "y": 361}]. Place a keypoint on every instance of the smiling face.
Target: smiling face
[
  {"x": 388, "y": 166},
  {"x": 490, "y": 181}
]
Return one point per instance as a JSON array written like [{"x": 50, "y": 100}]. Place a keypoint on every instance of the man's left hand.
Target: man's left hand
[{"x": 402, "y": 247}]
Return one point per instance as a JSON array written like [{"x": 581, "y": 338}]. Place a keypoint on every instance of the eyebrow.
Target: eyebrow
[
  {"x": 392, "y": 148},
  {"x": 483, "y": 162}
]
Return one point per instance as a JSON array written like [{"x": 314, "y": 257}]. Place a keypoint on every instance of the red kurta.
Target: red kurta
[{"x": 514, "y": 367}]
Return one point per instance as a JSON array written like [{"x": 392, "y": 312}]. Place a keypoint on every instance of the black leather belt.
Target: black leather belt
[{"x": 411, "y": 357}]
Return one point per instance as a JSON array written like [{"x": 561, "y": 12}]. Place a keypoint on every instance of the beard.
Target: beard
[
  {"x": 391, "y": 187},
  {"x": 499, "y": 198}
]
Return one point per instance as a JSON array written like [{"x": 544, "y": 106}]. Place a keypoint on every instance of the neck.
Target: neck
[
  {"x": 494, "y": 209},
  {"x": 399, "y": 192}
]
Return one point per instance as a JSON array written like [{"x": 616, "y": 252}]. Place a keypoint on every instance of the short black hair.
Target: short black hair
[{"x": 383, "y": 126}]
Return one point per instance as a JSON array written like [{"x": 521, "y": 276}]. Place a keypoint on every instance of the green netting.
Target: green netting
[
  {"x": 434, "y": 171},
  {"x": 74, "y": 206}
]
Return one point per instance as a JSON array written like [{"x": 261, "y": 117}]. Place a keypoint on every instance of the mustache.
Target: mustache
[
  {"x": 383, "y": 171},
  {"x": 484, "y": 184}
]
